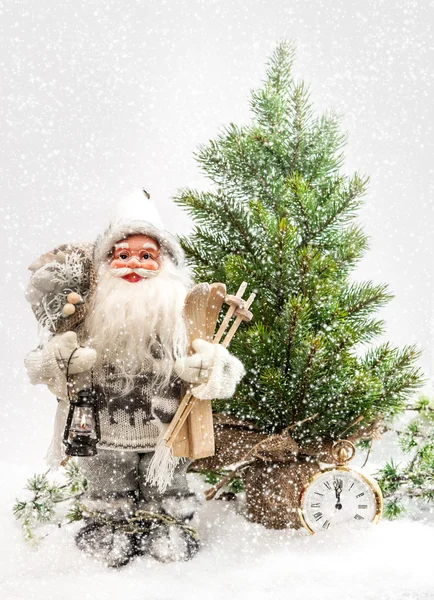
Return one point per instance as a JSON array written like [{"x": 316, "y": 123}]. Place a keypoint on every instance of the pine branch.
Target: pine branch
[
  {"x": 363, "y": 298},
  {"x": 414, "y": 479},
  {"x": 344, "y": 207},
  {"x": 326, "y": 142},
  {"x": 279, "y": 68},
  {"x": 220, "y": 213}
]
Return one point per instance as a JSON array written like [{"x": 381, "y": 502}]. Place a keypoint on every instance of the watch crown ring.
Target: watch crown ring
[{"x": 343, "y": 451}]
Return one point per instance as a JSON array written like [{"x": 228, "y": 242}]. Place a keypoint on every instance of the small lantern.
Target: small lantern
[{"x": 82, "y": 430}]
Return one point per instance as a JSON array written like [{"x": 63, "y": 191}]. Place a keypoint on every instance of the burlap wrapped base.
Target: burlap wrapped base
[
  {"x": 274, "y": 469},
  {"x": 273, "y": 492}
]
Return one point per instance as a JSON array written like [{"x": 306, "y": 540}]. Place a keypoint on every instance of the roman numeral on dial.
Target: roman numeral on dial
[
  {"x": 328, "y": 486},
  {"x": 358, "y": 517},
  {"x": 362, "y": 506},
  {"x": 317, "y": 516},
  {"x": 360, "y": 495},
  {"x": 316, "y": 505}
]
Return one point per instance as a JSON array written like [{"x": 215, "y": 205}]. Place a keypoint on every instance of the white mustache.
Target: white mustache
[{"x": 144, "y": 273}]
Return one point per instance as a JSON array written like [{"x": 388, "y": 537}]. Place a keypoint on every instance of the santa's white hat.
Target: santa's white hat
[{"x": 136, "y": 214}]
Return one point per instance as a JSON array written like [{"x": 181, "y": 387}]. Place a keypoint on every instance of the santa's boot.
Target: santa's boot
[
  {"x": 169, "y": 542},
  {"x": 106, "y": 543},
  {"x": 103, "y": 537}
]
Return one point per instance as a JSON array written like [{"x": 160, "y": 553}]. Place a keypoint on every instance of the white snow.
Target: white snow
[{"x": 238, "y": 560}]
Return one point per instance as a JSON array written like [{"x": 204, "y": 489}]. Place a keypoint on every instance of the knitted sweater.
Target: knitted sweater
[{"x": 127, "y": 421}]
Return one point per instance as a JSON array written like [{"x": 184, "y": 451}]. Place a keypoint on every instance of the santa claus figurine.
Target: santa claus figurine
[{"x": 114, "y": 311}]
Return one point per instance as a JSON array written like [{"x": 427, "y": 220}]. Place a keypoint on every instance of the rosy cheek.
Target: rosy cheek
[
  {"x": 116, "y": 263},
  {"x": 151, "y": 265}
]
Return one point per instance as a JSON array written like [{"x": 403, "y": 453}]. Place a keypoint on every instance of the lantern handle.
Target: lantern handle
[{"x": 67, "y": 373}]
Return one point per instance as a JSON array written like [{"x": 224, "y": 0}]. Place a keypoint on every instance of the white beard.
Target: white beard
[{"x": 139, "y": 327}]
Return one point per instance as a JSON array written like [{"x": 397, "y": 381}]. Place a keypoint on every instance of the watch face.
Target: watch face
[{"x": 338, "y": 496}]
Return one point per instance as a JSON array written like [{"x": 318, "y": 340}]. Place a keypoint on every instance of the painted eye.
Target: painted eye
[
  {"x": 146, "y": 256},
  {"x": 123, "y": 256}
]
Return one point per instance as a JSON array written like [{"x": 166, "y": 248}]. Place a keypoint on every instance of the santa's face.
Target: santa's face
[
  {"x": 127, "y": 324},
  {"x": 136, "y": 258}
]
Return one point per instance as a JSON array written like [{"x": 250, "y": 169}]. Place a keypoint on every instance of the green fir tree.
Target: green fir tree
[{"x": 280, "y": 215}]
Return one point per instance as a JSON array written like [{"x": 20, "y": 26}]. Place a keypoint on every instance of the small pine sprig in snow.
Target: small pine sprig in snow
[
  {"x": 414, "y": 479},
  {"x": 40, "y": 509}
]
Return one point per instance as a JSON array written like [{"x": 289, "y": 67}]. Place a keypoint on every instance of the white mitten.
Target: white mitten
[
  {"x": 197, "y": 367},
  {"x": 214, "y": 368},
  {"x": 64, "y": 345}
]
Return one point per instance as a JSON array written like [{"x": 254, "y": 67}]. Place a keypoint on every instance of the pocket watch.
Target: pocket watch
[{"x": 339, "y": 495}]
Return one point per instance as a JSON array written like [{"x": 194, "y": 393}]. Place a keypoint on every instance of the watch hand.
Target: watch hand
[{"x": 338, "y": 490}]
